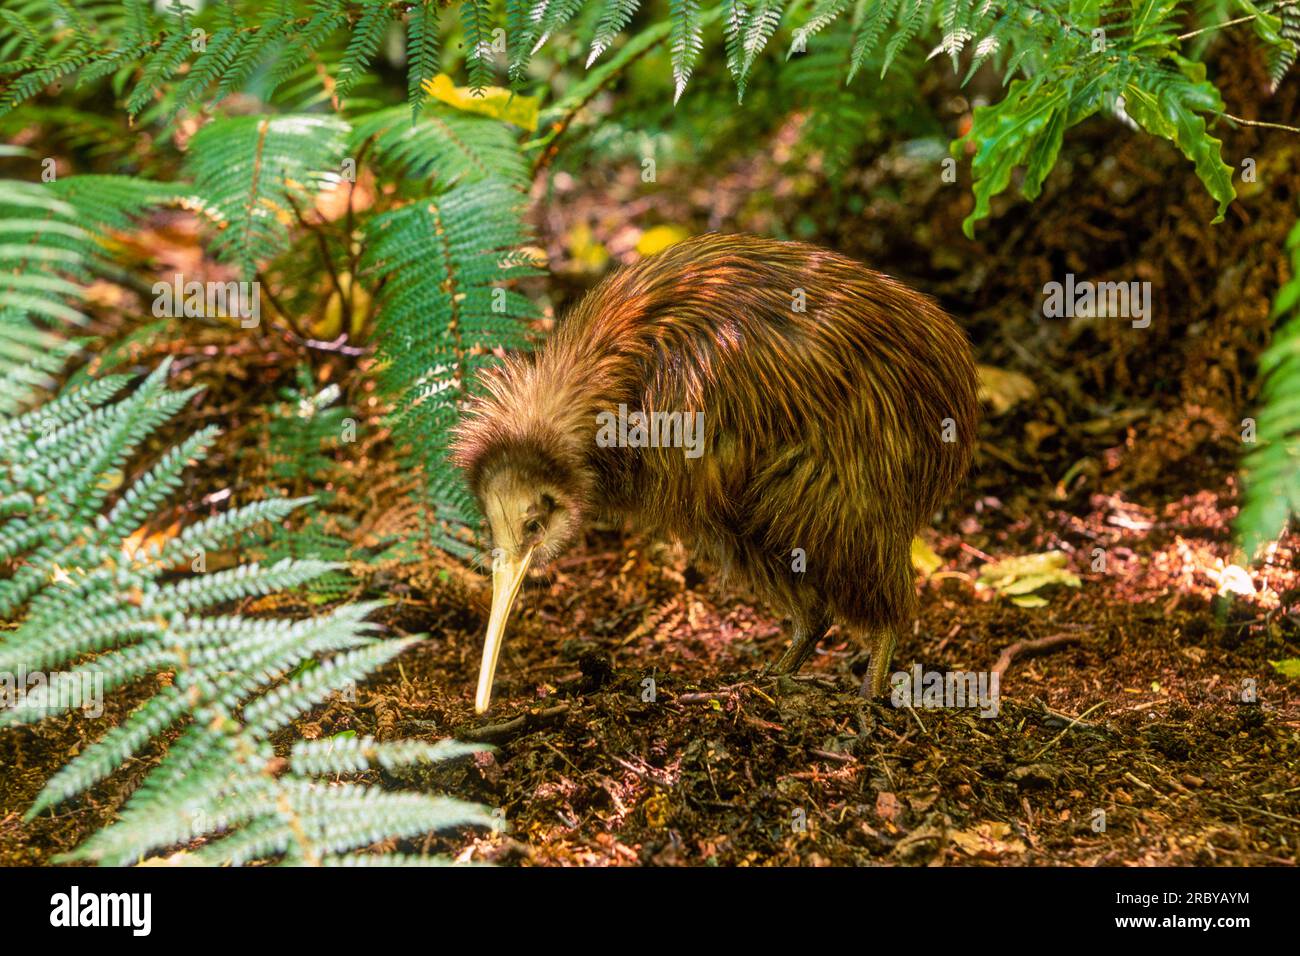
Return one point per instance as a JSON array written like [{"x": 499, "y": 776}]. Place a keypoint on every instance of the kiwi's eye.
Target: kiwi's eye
[{"x": 533, "y": 526}]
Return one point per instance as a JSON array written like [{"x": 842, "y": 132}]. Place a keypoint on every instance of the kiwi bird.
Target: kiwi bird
[{"x": 790, "y": 414}]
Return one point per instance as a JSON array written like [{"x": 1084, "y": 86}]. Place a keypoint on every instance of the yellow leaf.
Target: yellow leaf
[
  {"x": 110, "y": 480},
  {"x": 1019, "y": 577},
  {"x": 330, "y": 324},
  {"x": 924, "y": 559},
  {"x": 493, "y": 101},
  {"x": 656, "y": 811},
  {"x": 659, "y": 238},
  {"x": 1003, "y": 389},
  {"x": 179, "y": 858},
  {"x": 987, "y": 840},
  {"x": 587, "y": 252}
]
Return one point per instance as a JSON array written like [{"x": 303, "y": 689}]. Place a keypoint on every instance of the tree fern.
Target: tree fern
[
  {"x": 1279, "y": 29},
  {"x": 99, "y": 607},
  {"x": 254, "y": 175},
  {"x": 367, "y": 34},
  {"x": 159, "y": 67},
  {"x": 686, "y": 42},
  {"x": 446, "y": 265},
  {"x": 913, "y": 15},
  {"x": 1046, "y": 46},
  {"x": 296, "y": 448},
  {"x": 1271, "y": 469},
  {"x": 869, "y": 25},
  {"x": 49, "y": 250},
  {"x": 614, "y": 18},
  {"x": 445, "y": 146},
  {"x": 476, "y": 21},
  {"x": 422, "y": 52},
  {"x": 823, "y": 15},
  {"x": 749, "y": 28}
]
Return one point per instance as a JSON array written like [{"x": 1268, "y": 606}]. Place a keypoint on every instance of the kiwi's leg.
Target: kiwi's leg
[
  {"x": 882, "y": 655},
  {"x": 806, "y": 636}
]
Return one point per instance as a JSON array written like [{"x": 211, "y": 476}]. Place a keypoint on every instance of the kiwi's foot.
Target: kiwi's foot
[
  {"x": 801, "y": 647},
  {"x": 876, "y": 682}
]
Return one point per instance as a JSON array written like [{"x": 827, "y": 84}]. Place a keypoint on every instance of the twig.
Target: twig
[
  {"x": 645, "y": 773},
  {"x": 704, "y": 696},
  {"x": 1231, "y": 23},
  {"x": 1250, "y": 809},
  {"x": 265, "y": 288},
  {"x": 1128, "y": 775},
  {"x": 345, "y": 298},
  {"x": 495, "y": 733},
  {"x": 1047, "y": 746},
  {"x": 831, "y": 755},
  {"x": 1246, "y": 122},
  {"x": 1072, "y": 723},
  {"x": 917, "y": 718},
  {"x": 1030, "y": 648},
  {"x": 354, "y": 258}
]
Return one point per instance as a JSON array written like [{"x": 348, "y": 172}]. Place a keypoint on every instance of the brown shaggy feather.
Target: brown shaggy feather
[{"x": 837, "y": 430}]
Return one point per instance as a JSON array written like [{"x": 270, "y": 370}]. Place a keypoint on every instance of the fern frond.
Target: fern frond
[
  {"x": 1271, "y": 470},
  {"x": 476, "y": 20},
  {"x": 686, "y": 42},
  {"x": 87, "y": 595},
  {"x": 445, "y": 265},
  {"x": 354, "y": 754},
  {"x": 254, "y": 175},
  {"x": 367, "y": 34},
  {"x": 867, "y": 31},
  {"x": 422, "y": 52},
  {"x": 614, "y": 18},
  {"x": 446, "y": 146}
]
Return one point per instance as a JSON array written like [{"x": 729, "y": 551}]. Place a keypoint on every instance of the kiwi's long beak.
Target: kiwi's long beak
[{"x": 507, "y": 578}]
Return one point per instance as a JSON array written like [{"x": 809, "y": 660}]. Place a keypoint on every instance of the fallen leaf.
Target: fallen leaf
[
  {"x": 1287, "y": 668},
  {"x": 924, "y": 559},
  {"x": 1002, "y": 390},
  {"x": 493, "y": 101},
  {"x": 886, "y": 805},
  {"x": 585, "y": 249},
  {"x": 987, "y": 840},
  {"x": 1019, "y": 577}
]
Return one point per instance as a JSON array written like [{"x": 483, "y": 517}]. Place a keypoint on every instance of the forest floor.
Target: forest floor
[{"x": 630, "y": 723}]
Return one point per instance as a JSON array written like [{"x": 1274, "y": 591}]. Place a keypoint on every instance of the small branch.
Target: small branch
[
  {"x": 1231, "y": 23},
  {"x": 353, "y": 258},
  {"x": 1262, "y": 123},
  {"x": 1030, "y": 648},
  {"x": 1217, "y": 26},
  {"x": 645, "y": 773},
  {"x": 832, "y": 755},
  {"x": 265, "y": 288},
  {"x": 496, "y": 733},
  {"x": 1078, "y": 720},
  {"x": 345, "y": 299},
  {"x": 704, "y": 696}
]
